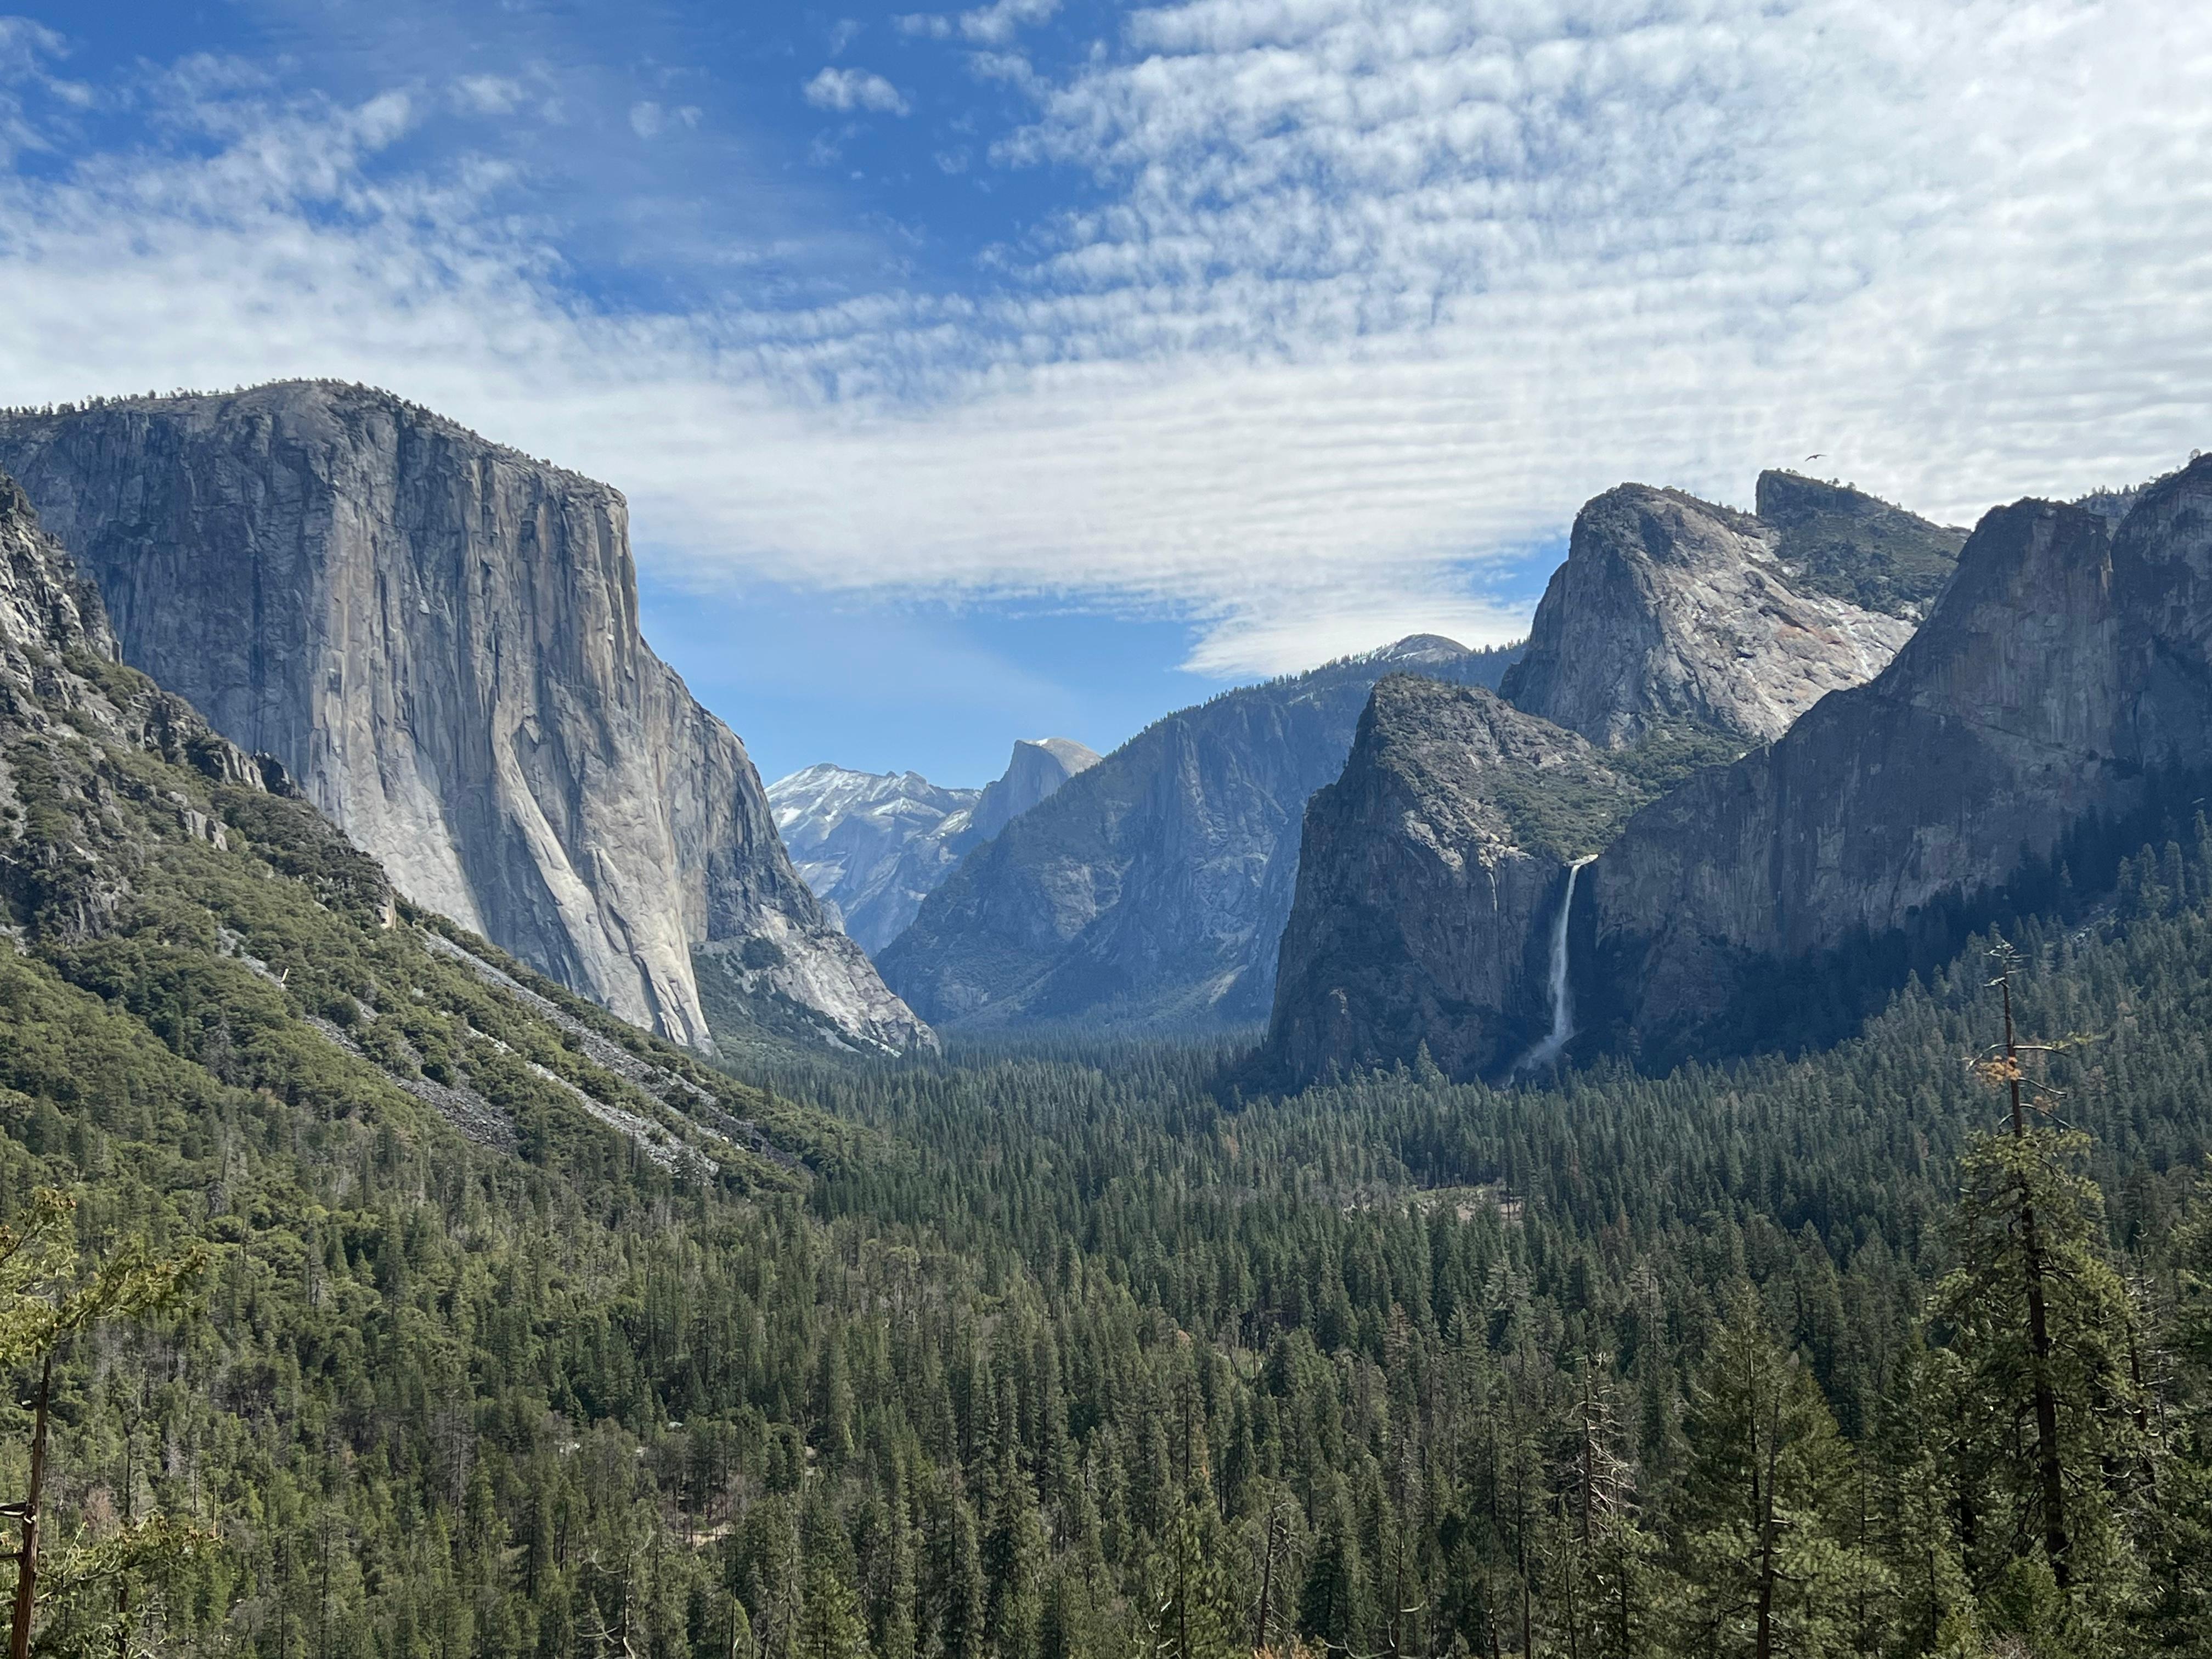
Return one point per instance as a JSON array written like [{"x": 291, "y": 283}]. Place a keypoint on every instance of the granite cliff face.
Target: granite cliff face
[
  {"x": 1672, "y": 613},
  {"x": 1036, "y": 771},
  {"x": 77, "y": 821},
  {"x": 1151, "y": 892},
  {"x": 1677, "y": 634},
  {"x": 150, "y": 868},
  {"x": 874, "y": 846},
  {"x": 2064, "y": 671},
  {"x": 1428, "y": 877},
  {"x": 438, "y": 637}
]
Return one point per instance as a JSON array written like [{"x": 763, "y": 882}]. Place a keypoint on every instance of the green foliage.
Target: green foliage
[
  {"x": 46, "y": 1298},
  {"x": 1567, "y": 812},
  {"x": 82, "y": 1587},
  {"x": 1838, "y": 540},
  {"x": 1768, "y": 1560},
  {"x": 2029, "y": 1224},
  {"x": 1056, "y": 1353}
]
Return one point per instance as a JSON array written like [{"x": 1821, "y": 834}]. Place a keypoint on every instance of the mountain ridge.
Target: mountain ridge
[
  {"x": 2062, "y": 673},
  {"x": 437, "y": 635},
  {"x": 1677, "y": 634},
  {"x": 1151, "y": 892},
  {"x": 1670, "y": 611},
  {"x": 873, "y": 845}
]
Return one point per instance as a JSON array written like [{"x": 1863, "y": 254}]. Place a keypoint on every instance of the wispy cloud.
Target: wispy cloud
[
  {"x": 1370, "y": 296},
  {"x": 649, "y": 117},
  {"x": 487, "y": 94},
  {"x": 996, "y": 24},
  {"x": 855, "y": 89},
  {"x": 28, "y": 51},
  {"x": 993, "y": 25}
]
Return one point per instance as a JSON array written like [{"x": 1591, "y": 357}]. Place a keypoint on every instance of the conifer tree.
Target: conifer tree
[
  {"x": 1766, "y": 1570},
  {"x": 2040, "y": 1321}
]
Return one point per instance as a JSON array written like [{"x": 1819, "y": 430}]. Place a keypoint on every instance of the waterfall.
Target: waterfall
[{"x": 1562, "y": 996}]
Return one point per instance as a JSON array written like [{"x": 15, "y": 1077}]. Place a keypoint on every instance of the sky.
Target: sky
[{"x": 1041, "y": 367}]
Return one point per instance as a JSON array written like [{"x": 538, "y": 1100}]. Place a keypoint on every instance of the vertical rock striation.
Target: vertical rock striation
[
  {"x": 438, "y": 637},
  {"x": 76, "y": 821}
]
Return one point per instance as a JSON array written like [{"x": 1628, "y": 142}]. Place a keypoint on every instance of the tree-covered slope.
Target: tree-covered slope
[
  {"x": 1839, "y": 540},
  {"x": 1052, "y": 1355},
  {"x": 186, "y": 888}
]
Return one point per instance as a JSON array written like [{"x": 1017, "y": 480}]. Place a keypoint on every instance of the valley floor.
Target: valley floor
[{"x": 1071, "y": 1350}]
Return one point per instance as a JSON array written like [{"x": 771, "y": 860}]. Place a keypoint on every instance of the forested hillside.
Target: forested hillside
[
  {"x": 1066, "y": 1355},
  {"x": 386, "y": 1300}
]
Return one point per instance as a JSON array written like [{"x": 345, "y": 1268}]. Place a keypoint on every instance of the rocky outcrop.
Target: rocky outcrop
[
  {"x": 2064, "y": 671},
  {"x": 1151, "y": 892},
  {"x": 1672, "y": 613},
  {"x": 45, "y": 605},
  {"x": 1677, "y": 634},
  {"x": 438, "y": 637},
  {"x": 1428, "y": 877},
  {"x": 143, "y": 856},
  {"x": 872, "y": 846},
  {"x": 1038, "y": 768}
]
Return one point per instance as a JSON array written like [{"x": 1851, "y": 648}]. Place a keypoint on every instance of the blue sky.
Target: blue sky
[{"x": 1041, "y": 367}]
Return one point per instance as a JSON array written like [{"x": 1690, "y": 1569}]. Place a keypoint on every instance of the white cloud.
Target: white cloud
[
  {"x": 487, "y": 94},
  {"x": 25, "y": 45},
  {"x": 1011, "y": 67},
  {"x": 1374, "y": 295},
  {"x": 993, "y": 25},
  {"x": 996, "y": 24},
  {"x": 648, "y": 119},
  {"x": 26, "y": 48},
  {"x": 855, "y": 89}
]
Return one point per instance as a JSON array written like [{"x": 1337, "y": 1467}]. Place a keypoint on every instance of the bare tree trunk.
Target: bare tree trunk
[
  {"x": 1266, "y": 1583},
  {"x": 27, "y": 1559}
]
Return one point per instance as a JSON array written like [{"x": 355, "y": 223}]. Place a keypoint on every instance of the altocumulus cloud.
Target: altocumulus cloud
[
  {"x": 855, "y": 89},
  {"x": 993, "y": 25},
  {"x": 1368, "y": 298}
]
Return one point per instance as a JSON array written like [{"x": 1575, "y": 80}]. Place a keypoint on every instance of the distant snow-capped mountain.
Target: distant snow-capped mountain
[
  {"x": 1150, "y": 892},
  {"x": 873, "y": 845}
]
